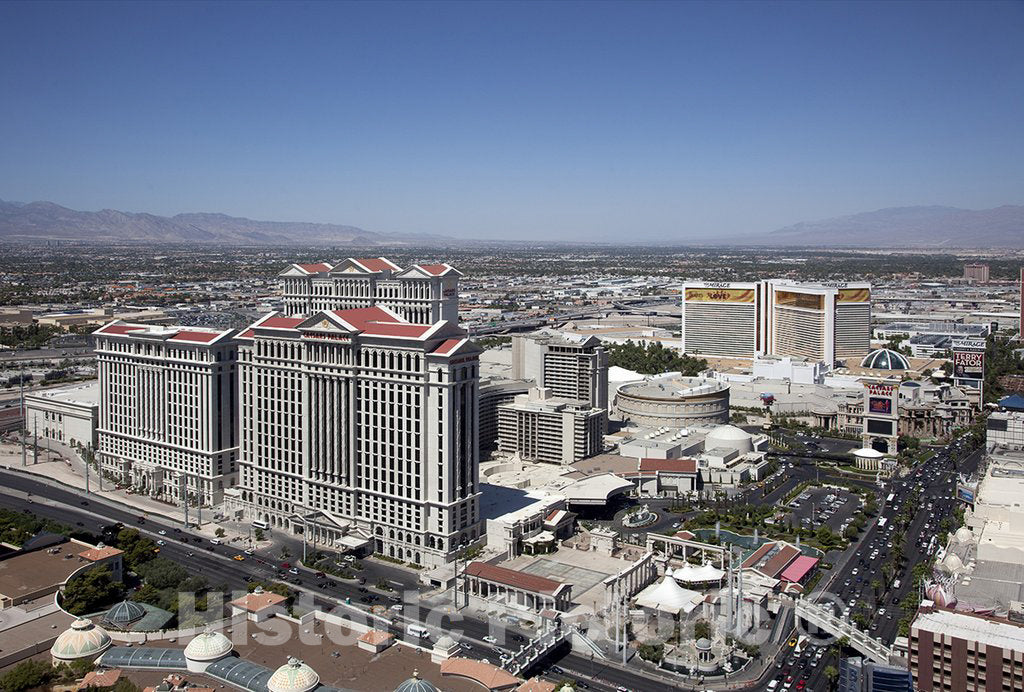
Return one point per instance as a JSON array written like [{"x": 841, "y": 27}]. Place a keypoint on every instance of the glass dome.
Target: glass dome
[{"x": 885, "y": 359}]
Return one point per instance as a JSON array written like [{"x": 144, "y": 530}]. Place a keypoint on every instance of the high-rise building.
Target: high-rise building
[
  {"x": 168, "y": 409},
  {"x": 859, "y": 675},
  {"x": 976, "y": 272},
  {"x": 359, "y": 429},
  {"x": 540, "y": 427},
  {"x": 420, "y": 293},
  {"x": 573, "y": 367},
  {"x": 954, "y": 650},
  {"x": 817, "y": 321}
]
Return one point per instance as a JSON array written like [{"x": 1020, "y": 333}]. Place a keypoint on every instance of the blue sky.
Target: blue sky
[{"x": 576, "y": 121}]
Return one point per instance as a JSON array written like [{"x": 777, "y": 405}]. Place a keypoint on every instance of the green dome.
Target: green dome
[
  {"x": 124, "y": 615},
  {"x": 415, "y": 684}
]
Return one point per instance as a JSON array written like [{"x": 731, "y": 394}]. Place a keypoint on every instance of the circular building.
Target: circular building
[
  {"x": 416, "y": 684},
  {"x": 83, "y": 640},
  {"x": 674, "y": 402},
  {"x": 885, "y": 359},
  {"x": 293, "y": 676},
  {"x": 729, "y": 437},
  {"x": 205, "y": 648},
  {"x": 123, "y": 615}
]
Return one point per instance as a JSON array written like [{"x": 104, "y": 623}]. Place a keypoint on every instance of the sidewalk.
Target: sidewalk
[{"x": 65, "y": 468}]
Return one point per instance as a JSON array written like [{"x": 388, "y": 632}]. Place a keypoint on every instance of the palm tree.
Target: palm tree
[{"x": 832, "y": 675}]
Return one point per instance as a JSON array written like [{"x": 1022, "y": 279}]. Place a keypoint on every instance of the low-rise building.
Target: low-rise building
[
  {"x": 66, "y": 415},
  {"x": 538, "y": 426}
]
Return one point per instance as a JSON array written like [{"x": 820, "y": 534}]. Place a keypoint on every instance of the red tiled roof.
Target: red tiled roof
[
  {"x": 379, "y": 322},
  {"x": 510, "y": 577},
  {"x": 247, "y": 334},
  {"x": 94, "y": 554},
  {"x": 434, "y": 269},
  {"x": 676, "y": 465},
  {"x": 281, "y": 322},
  {"x": 200, "y": 337},
  {"x": 96, "y": 679},
  {"x": 774, "y": 565},
  {"x": 255, "y": 602},
  {"x": 375, "y": 637},
  {"x": 551, "y": 517},
  {"x": 377, "y": 264},
  {"x": 758, "y": 554},
  {"x": 447, "y": 346},
  {"x": 799, "y": 568},
  {"x": 490, "y": 676},
  {"x": 316, "y": 268},
  {"x": 119, "y": 329}
]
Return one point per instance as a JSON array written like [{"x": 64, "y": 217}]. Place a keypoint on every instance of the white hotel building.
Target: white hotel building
[
  {"x": 818, "y": 321},
  {"x": 168, "y": 410},
  {"x": 359, "y": 428},
  {"x": 421, "y": 293}
]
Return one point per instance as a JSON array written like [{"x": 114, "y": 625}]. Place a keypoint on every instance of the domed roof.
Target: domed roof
[
  {"x": 415, "y": 684},
  {"x": 704, "y": 643},
  {"x": 445, "y": 642},
  {"x": 730, "y": 437},
  {"x": 939, "y": 596},
  {"x": 82, "y": 640},
  {"x": 729, "y": 432},
  {"x": 293, "y": 676},
  {"x": 867, "y": 453},
  {"x": 963, "y": 534},
  {"x": 208, "y": 646},
  {"x": 952, "y": 563},
  {"x": 885, "y": 359},
  {"x": 124, "y": 614}
]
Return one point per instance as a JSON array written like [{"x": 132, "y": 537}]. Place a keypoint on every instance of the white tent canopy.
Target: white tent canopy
[
  {"x": 668, "y": 597},
  {"x": 692, "y": 574}
]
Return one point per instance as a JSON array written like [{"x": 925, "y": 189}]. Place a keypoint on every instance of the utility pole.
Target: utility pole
[{"x": 24, "y": 418}]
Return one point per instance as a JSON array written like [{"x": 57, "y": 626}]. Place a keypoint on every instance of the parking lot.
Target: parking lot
[{"x": 825, "y": 506}]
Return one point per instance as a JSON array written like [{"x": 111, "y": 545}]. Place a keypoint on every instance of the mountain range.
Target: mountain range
[
  {"x": 908, "y": 227},
  {"x": 48, "y": 221},
  {"x": 938, "y": 227}
]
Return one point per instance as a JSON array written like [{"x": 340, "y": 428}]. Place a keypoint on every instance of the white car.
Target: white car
[
  {"x": 490, "y": 640},
  {"x": 162, "y": 532}
]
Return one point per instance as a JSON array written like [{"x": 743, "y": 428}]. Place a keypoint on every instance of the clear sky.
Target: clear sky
[{"x": 531, "y": 120}]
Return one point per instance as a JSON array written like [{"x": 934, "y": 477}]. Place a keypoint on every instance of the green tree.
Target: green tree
[
  {"x": 26, "y": 675},
  {"x": 92, "y": 591},
  {"x": 832, "y": 675}
]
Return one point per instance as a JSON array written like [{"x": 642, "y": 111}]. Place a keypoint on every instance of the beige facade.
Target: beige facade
[
  {"x": 420, "y": 293},
  {"x": 538, "y": 426},
  {"x": 361, "y": 427},
  {"x": 168, "y": 410}
]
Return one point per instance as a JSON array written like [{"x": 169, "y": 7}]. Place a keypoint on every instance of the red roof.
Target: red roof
[
  {"x": 379, "y": 322},
  {"x": 674, "y": 465},
  {"x": 119, "y": 329},
  {"x": 510, "y": 577},
  {"x": 281, "y": 322},
  {"x": 201, "y": 337},
  {"x": 378, "y": 264},
  {"x": 316, "y": 268},
  {"x": 799, "y": 568},
  {"x": 447, "y": 346},
  {"x": 435, "y": 269},
  {"x": 247, "y": 334},
  {"x": 771, "y": 558}
]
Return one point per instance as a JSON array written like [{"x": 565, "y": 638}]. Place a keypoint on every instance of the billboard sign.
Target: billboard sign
[{"x": 968, "y": 365}]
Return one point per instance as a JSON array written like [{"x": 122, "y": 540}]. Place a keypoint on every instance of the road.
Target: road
[
  {"x": 933, "y": 482},
  {"x": 215, "y": 563}
]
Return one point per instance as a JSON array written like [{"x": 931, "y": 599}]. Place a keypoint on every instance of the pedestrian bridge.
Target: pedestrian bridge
[
  {"x": 533, "y": 650},
  {"x": 823, "y": 618}
]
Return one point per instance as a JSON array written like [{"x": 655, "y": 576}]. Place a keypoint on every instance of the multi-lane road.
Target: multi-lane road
[{"x": 216, "y": 564}]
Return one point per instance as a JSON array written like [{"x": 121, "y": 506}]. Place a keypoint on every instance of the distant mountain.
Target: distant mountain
[
  {"x": 49, "y": 221},
  {"x": 938, "y": 227}
]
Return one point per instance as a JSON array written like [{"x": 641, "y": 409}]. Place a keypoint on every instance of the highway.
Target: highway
[{"x": 215, "y": 564}]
